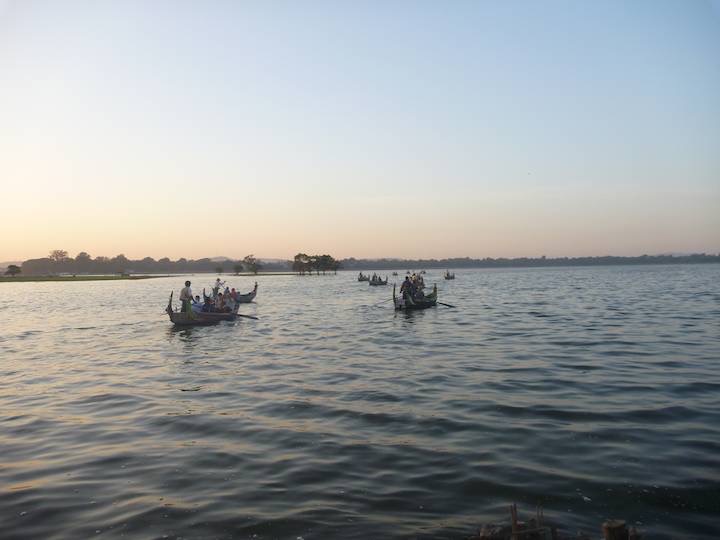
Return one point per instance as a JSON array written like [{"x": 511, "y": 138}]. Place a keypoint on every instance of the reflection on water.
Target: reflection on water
[
  {"x": 590, "y": 390},
  {"x": 184, "y": 334}
]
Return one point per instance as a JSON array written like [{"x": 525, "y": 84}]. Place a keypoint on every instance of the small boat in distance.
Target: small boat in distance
[
  {"x": 247, "y": 298},
  {"x": 362, "y": 277},
  {"x": 376, "y": 280},
  {"x": 237, "y": 298},
  {"x": 448, "y": 275},
  {"x": 408, "y": 303},
  {"x": 394, "y": 273}
]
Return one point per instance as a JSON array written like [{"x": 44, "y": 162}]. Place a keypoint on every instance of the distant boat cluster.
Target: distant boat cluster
[{"x": 224, "y": 302}]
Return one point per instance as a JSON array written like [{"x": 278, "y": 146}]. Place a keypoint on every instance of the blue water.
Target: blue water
[{"x": 591, "y": 391}]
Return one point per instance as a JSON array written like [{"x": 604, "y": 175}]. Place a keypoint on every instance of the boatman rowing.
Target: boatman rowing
[{"x": 186, "y": 297}]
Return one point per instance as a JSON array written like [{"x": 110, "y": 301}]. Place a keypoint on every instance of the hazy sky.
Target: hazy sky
[{"x": 386, "y": 128}]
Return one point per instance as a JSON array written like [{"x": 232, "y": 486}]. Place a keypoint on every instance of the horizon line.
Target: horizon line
[{"x": 403, "y": 259}]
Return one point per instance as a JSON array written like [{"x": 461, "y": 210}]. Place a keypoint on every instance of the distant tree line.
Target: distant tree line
[
  {"x": 523, "y": 262},
  {"x": 307, "y": 264},
  {"x": 58, "y": 262}
]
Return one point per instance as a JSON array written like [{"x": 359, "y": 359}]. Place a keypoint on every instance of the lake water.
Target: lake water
[{"x": 591, "y": 391}]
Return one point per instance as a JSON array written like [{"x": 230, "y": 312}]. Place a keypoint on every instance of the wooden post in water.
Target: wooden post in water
[
  {"x": 614, "y": 529},
  {"x": 514, "y": 522}
]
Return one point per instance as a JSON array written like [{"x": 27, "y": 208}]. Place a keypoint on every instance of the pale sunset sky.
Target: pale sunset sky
[{"x": 366, "y": 129}]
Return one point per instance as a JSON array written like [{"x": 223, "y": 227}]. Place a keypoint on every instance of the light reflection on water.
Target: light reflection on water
[{"x": 333, "y": 415}]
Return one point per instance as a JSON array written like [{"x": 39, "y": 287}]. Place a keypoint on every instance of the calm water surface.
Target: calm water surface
[{"x": 593, "y": 391}]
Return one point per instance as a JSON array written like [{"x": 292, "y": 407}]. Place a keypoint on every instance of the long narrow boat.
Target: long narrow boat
[
  {"x": 448, "y": 275},
  {"x": 376, "y": 282},
  {"x": 247, "y": 298},
  {"x": 240, "y": 298},
  {"x": 179, "y": 318},
  {"x": 406, "y": 303},
  {"x": 362, "y": 277}
]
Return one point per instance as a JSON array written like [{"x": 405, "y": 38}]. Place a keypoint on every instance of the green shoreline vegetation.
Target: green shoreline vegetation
[{"x": 58, "y": 266}]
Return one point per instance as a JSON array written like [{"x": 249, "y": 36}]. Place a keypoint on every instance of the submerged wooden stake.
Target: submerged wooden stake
[
  {"x": 615, "y": 529},
  {"x": 514, "y": 522}
]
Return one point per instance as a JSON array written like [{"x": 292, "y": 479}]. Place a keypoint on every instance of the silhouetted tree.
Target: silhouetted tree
[
  {"x": 325, "y": 263},
  {"x": 301, "y": 263},
  {"x": 101, "y": 264},
  {"x": 251, "y": 263},
  {"x": 238, "y": 267},
  {"x": 218, "y": 269},
  {"x": 119, "y": 264},
  {"x": 12, "y": 270},
  {"x": 83, "y": 262},
  {"x": 58, "y": 255}
]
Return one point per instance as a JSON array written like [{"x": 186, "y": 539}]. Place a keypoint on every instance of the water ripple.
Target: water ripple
[{"x": 590, "y": 391}]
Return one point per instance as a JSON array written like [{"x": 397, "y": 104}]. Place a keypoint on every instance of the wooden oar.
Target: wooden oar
[
  {"x": 247, "y": 316},
  {"x": 379, "y": 303},
  {"x": 443, "y": 304}
]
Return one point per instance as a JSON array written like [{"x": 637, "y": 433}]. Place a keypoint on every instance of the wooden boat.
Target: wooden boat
[
  {"x": 362, "y": 277},
  {"x": 247, "y": 298},
  {"x": 405, "y": 303},
  {"x": 448, "y": 275},
  {"x": 240, "y": 298},
  {"x": 179, "y": 318},
  {"x": 376, "y": 282},
  {"x": 394, "y": 273}
]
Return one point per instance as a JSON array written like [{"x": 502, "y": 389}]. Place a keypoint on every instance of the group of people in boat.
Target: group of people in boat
[
  {"x": 219, "y": 302},
  {"x": 413, "y": 286}
]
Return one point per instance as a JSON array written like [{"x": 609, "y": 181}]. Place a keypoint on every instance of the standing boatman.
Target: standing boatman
[{"x": 186, "y": 297}]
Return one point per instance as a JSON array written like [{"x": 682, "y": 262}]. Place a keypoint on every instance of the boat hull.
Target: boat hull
[
  {"x": 179, "y": 318},
  {"x": 200, "y": 319},
  {"x": 247, "y": 298}
]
